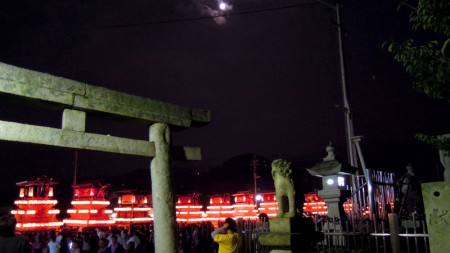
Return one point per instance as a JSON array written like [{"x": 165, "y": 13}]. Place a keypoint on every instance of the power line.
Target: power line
[{"x": 169, "y": 21}]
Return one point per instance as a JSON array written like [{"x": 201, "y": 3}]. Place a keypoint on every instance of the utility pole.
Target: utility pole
[
  {"x": 349, "y": 133},
  {"x": 347, "y": 109},
  {"x": 254, "y": 163},
  {"x": 75, "y": 169}
]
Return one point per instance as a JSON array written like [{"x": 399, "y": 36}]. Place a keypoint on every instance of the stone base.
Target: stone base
[
  {"x": 281, "y": 239},
  {"x": 285, "y": 225},
  {"x": 291, "y": 225},
  {"x": 436, "y": 198},
  {"x": 289, "y": 251},
  {"x": 290, "y": 235}
]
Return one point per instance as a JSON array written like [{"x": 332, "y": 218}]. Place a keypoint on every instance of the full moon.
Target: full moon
[{"x": 222, "y": 6}]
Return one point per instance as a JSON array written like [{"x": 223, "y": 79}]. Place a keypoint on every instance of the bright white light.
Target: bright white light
[
  {"x": 341, "y": 181},
  {"x": 330, "y": 181},
  {"x": 222, "y": 6},
  {"x": 258, "y": 197}
]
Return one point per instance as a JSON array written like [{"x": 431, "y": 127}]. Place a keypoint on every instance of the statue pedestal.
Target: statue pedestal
[
  {"x": 289, "y": 235},
  {"x": 436, "y": 198}
]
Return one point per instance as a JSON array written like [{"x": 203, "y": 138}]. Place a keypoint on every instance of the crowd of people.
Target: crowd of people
[
  {"x": 202, "y": 238},
  {"x": 196, "y": 238},
  {"x": 139, "y": 240},
  {"x": 193, "y": 238},
  {"x": 9, "y": 242}
]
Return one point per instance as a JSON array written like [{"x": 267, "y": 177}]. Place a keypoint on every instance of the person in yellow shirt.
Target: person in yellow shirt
[{"x": 227, "y": 237}]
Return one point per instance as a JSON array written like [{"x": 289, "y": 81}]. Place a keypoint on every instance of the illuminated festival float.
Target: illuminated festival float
[
  {"x": 134, "y": 208},
  {"x": 245, "y": 205},
  {"x": 36, "y": 206},
  {"x": 89, "y": 206},
  {"x": 191, "y": 209}
]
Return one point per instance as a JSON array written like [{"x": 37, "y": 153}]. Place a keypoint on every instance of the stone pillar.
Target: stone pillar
[
  {"x": 335, "y": 199},
  {"x": 436, "y": 199},
  {"x": 394, "y": 230},
  {"x": 165, "y": 223},
  {"x": 445, "y": 160}
]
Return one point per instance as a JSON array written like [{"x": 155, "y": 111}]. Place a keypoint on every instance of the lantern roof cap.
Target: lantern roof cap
[{"x": 331, "y": 165}]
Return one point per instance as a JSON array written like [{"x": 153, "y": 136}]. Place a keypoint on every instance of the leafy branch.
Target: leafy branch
[
  {"x": 428, "y": 64},
  {"x": 442, "y": 143},
  {"x": 428, "y": 67}
]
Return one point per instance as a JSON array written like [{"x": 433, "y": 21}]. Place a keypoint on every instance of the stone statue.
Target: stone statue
[
  {"x": 289, "y": 231},
  {"x": 284, "y": 188},
  {"x": 406, "y": 180},
  {"x": 409, "y": 196}
]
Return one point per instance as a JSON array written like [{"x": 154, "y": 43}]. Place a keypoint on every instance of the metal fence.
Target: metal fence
[
  {"x": 377, "y": 232},
  {"x": 250, "y": 231},
  {"x": 353, "y": 237},
  {"x": 383, "y": 190}
]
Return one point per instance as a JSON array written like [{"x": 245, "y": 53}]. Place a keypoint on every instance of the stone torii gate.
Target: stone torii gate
[{"x": 76, "y": 99}]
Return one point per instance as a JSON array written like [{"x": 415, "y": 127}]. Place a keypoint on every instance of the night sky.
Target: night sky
[{"x": 268, "y": 72}]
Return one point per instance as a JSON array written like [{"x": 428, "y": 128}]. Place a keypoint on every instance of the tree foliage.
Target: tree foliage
[
  {"x": 441, "y": 143},
  {"x": 433, "y": 15},
  {"x": 428, "y": 67},
  {"x": 429, "y": 63}
]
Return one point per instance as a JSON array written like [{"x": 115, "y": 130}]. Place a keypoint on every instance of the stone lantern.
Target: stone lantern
[{"x": 335, "y": 177}]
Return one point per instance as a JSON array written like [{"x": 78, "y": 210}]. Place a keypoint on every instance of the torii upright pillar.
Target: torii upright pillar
[{"x": 162, "y": 195}]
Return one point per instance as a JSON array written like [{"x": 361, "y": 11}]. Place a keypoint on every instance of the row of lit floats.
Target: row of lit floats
[
  {"x": 312, "y": 207},
  {"x": 36, "y": 207},
  {"x": 95, "y": 212}
]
